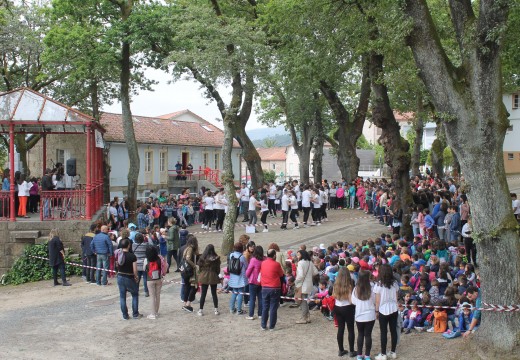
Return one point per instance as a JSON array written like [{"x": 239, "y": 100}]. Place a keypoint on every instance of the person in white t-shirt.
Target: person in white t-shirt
[
  {"x": 316, "y": 207},
  {"x": 293, "y": 204},
  {"x": 516, "y": 206},
  {"x": 272, "y": 198},
  {"x": 244, "y": 201},
  {"x": 219, "y": 209},
  {"x": 252, "y": 208},
  {"x": 344, "y": 310},
  {"x": 386, "y": 290},
  {"x": 264, "y": 209},
  {"x": 298, "y": 193},
  {"x": 306, "y": 204},
  {"x": 209, "y": 202},
  {"x": 365, "y": 315},
  {"x": 324, "y": 197},
  {"x": 285, "y": 209}
]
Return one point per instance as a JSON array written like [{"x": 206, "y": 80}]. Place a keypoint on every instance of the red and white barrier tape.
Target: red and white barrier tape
[{"x": 75, "y": 264}]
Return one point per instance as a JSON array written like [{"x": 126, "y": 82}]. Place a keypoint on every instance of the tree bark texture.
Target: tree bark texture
[
  {"x": 349, "y": 131},
  {"x": 397, "y": 155},
  {"x": 228, "y": 181},
  {"x": 303, "y": 149},
  {"x": 319, "y": 141},
  {"x": 437, "y": 157},
  {"x": 475, "y": 121},
  {"x": 250, "y": 156},
  {"x": 418, "y": 127}
]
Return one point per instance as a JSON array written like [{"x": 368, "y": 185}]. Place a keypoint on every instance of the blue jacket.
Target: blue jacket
[
  {"x": 238, "y": 281},
  {"x": 455, "y": 225},
  {"x": 428, "y": 222},
  {"x": 101, "y": 244}
]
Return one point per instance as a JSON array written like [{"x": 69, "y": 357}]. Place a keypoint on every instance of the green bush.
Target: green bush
[{"x": 27, "y": 269}]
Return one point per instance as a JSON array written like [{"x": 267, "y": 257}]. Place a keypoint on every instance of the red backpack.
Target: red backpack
[{"x": 154, "y": 270}]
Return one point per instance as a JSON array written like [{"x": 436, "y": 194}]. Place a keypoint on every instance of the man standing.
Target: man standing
[
  {"x": 178, "y": 170},
  {"x": 454, "y": 224},
  {"x": 101, "y": 246},
  {"x": 244, "y": 201},
  {"x": 306, "y": 204},
  {"x": 88, "y": 255},
  {"x": 47, "y": 185},
  {"x": 57, "y": 258},
  {"x": 270, "y": 274}
]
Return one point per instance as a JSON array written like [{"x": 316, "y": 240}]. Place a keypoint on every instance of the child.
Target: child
[
  {"x": 414, "y": 222},
  {"x": 435, "y": 296},
  {"x": 365, "y": 313},
  {"x": 470, "y": 275},
  {"x": 412, "y": 318},
  {"x": 196, "y": 210},
  {"x": 402, "y": 311},
  {"x": 183, "y": 235},
  {"x": 405, "y": 288},
  {"x": 465, "y": 318}
]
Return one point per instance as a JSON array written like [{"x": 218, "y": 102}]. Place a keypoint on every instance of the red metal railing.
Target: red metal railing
[
  {"x": 4, "y": 205},
  {"x": 212, "y": 175},
  {"x": 63, "y": 205}
]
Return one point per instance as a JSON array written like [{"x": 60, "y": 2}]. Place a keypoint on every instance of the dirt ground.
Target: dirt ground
[{"x": 38, "y": 321}]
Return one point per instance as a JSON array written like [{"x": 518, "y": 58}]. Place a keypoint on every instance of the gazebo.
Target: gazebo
[{"x": 25, "y": 111}]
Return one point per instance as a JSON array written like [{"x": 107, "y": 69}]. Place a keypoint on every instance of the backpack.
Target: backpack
[
  {"x": 119, "y": 256},
  {"x": 154, "y": 270},
  {"x": 234, "y": 265},
  {"x": 440, "y": 323}
]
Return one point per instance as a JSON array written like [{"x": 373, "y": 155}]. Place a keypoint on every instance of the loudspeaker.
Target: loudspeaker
[{"x": 71, "y": 167}]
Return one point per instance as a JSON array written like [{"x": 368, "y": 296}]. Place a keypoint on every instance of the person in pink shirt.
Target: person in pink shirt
[
  {"x": 340, "y": 196},
  {"x": 255, "y": 289}
]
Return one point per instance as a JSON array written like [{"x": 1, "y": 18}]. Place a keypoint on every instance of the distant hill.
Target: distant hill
[
  {"x": 279, "y": 140},
  {"x": 262, "y": 133}
]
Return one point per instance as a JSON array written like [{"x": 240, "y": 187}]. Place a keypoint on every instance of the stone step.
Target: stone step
[
  {"x": 24, "y": 236},
  {"x": 41, "y": 240}
]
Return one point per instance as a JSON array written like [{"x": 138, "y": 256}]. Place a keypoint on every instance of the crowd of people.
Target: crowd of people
[{"x": 397, "y": 280}]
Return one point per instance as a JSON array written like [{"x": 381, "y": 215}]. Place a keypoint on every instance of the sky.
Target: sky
[{"x": 183, "y": 94}]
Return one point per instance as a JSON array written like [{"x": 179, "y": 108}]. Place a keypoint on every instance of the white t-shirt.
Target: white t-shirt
[
  {"x": 306, "y": 198},
  {"x": 316, "y": 201},
  {"x": 294, "y": 203},
  {"x": 252, "y": 203},
  {"x": 298, "y": 193},
  {"x": 209, "y": 201},
  {"x": 244, "y": 194},
  {"x": 272, "y": 192},
  {"x": 218, "y": 202},
  {"x": 365, "y": 309},
  {"x": 516, "y": 204},
  {"x": 263, "y": 206},
  {"x": 324, "y": 197},
  {"x": 332, "y": 192},
  {"x": 388, "y": 301},
  {"x": 342, "y": 302},
  {"x": 285, "y": 205}
]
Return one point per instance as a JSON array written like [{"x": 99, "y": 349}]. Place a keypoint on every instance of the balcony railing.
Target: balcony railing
[{"x": 211, "y": 175}]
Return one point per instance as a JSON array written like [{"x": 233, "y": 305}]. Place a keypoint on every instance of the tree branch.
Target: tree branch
[
  {"x": 364, "y": 97},
  {"x": 462, "y": 17},
  {"x": 340, "y": 113},
  {"x": 294, "y": 138},
  {"x": 211, "y": 90}
]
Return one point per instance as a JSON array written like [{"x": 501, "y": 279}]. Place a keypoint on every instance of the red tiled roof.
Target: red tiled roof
[
  {"x": 403, "y": 117},
  {"x": 165, "y": 130},
  {"x": 272, "y": 154}
]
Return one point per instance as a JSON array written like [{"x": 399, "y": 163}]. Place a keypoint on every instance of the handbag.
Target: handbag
[{"x": 187, "y": 270}]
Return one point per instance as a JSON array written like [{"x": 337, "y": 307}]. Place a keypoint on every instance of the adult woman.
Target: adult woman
[
  {"x": 152, "y": 266},
  {"x": 304, "y": 274},
  {"x": 172, "y": 242},
  {"x": 208, "y": 210},
  {"x": 34, "y": 196},
  {"x": 280, "y": 257},
  {"x": 190, "y": 280},
  {"x": 365, "y": 315},
  {"x": 219, "y": 209},
  {"x": 344, "y": 310},
  {"x": 139, "y": 250},
  {"x": 209, "y": 270},
  {"x": 56, "y": 258},
  {"x": 23, "y": 195},
  {"x": 386, "y": 290},
  {"x": 237, "y": 281},
  {"x": 255, "y": 289},
  {"x": 127, "y": 279}
]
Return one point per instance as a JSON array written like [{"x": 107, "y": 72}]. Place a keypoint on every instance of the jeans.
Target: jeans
[
  {"x": 409, "y": 323},
  {"x": 255, "y": 292},
  {"x": 91, "y": 261},
  {"x": 384, "y": 322},
  {"x": 46, "y": 208},
  {"x": 252, "y": 217},
  {"x": 236, "y": 298},
  {"x": 244, "y": 206},
  {"x": 145, "y": 284},
  {"x": 270, "y": 304},
  {"x": 169, "y": 258},
  {"x": 365, "y": 335},
  {"x": 61, "y": 267},
  {"x": 102, "y": 263},
  {"x": 345, "y": 315},
  {"x": 127, "y": 284},
  {"x": 204, "y": 291}
]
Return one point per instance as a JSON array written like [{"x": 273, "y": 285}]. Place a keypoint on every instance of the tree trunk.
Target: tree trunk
[
  {"x": 349, "y": 132},
  {"x": 23, "y": 145},
  {"x": 317, "y": 160},
  {"x": 418, "y": 127},
  {"x": 397, "y": 155},
  {"x": 228, "y": 181},
  {"x": 456, "y": 166},
  {"x": 250, "y": 156},
  {"x": 303, "y": 150},
  {"x": 94, "y": 99},
  {"x": 475, "y": 122},
  {"x": 437, "y": 157}
]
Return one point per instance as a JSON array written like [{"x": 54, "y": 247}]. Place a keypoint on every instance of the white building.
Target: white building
[{"x": 163, "y": 141}]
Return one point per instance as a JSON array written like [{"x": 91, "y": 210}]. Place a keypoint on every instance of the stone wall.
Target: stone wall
[
  {"x": 74, "y": 146},
  {"x": 15, "y": 236}
]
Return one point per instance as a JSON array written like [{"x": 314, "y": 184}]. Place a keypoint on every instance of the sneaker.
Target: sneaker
[
  {"x": 352, "y": 354},
  {"x": 138, "y": 316},
  {"x": 305, "y": 226},
  {"x": 265, "y": 230},
  {"x": 232, "y": 311},
  {"x": 263, "y": 328},
  {"x": 250, "y": 318},
  {"x": 202, "y": 227},
  {"x": 430, "y": 330},
  {"x": 319, "y": 224},
  {"x": 359, "y": 357},
  {"x": 342, "y": 353},
  {"x": 217, "y": 312},
  {"x": 146, "y": 295},
  {"x": 407, "y": 331},
  {"x": 187, "y": 308},
  {"x": 273, "y": 329},
  {"x": 392, "y": 355},
  {"x": 381, "y": 357},
  {"x": 240, "y": 312},
  {"x": 296, "y": 228},
  {"x": 151, "y": 317},
  {"x": 200, "y": 313},
  {"x": 367, "y": 357}
]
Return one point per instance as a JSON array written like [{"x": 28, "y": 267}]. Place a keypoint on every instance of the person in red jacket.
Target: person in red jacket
[{"x": 270, "y": 274}]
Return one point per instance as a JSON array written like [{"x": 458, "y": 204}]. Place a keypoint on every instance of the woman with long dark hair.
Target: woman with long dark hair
[
  {"x": 209, "y": 270},
  {"x": 255, "y": 289},
  {"x": 344, "y": 310},
  {"x": 152, "y": 266},
  {"x": 365, "y": 316},
  {"x": 190, "y": 279},
  {"x": 386, "y": 290}
]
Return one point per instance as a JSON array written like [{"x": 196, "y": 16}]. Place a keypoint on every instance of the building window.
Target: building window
[
  {"x": 217, "y": 160},
  {"x": 205, "y": 160},
  {"x": 162, "y": 161},
  {"x": 60, "y": 156},
  {"x": 510, "y": 156},
  {"x": 148, "y": 158},
  {"x": 516, "y": 101},
  {"x": 274, "y": 166}
]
